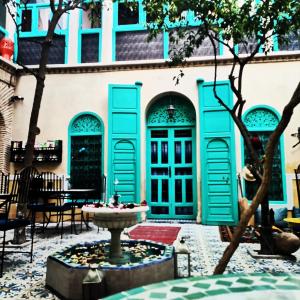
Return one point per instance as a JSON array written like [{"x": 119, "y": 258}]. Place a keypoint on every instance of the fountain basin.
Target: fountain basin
[
  {"x": 65, "y": 272},
  {"x": 115, "y": 219}
]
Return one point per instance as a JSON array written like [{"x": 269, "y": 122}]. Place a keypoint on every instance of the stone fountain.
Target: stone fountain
[
  {"x": 65, "y": 270},
  {"x": 115, "y": 219}
]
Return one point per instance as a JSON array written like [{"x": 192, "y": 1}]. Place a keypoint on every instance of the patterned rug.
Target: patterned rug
[
  {"x": 161, "y": 234},
  {"x": 23, "y": 280}
]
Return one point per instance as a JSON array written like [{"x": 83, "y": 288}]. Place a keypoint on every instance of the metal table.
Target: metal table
[{"x": 76, "y": 198}]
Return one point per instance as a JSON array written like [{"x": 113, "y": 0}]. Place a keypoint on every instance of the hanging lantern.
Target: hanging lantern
[
  {"x": 171, "y": 110},
  {"x": 6, "y": 48}
]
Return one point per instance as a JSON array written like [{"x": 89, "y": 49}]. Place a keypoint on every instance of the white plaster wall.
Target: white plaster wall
[{"x": 66, "y": 95}]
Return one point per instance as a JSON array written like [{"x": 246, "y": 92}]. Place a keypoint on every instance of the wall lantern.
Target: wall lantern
[
  {"x": 171, "y": 111},
  {"x": 15, "y": 99},
  {"x": 297, "y": 135}
]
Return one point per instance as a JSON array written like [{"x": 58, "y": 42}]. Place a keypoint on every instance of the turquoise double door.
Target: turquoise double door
[{"x": 171, "y": 173}]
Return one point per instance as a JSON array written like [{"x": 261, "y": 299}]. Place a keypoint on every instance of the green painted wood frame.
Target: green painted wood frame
[
  {"x": 172, "y": 204},
  {"x": 35, "y": 32},
  {"x": 123, "y": 110},
  {"x": 82, "y": 133},
  {"x": 217, "y": 212},
  {"x": 267, "y": 128},
  {"x": 142, "y": 26},
  {"x": 185, "y": 121},
  {"x": 82, "y": 31}
]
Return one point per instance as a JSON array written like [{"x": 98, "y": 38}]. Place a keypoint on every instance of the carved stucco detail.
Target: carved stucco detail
[
  {"x": 184, "y": 113},
  {"x": 86, "y": 123},
  {"x": 261, "y": 117}
]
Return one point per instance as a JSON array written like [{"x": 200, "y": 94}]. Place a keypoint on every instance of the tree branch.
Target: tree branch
[
  {"x": 264, "y": 186},
  {"x": 211, "y": 38}
]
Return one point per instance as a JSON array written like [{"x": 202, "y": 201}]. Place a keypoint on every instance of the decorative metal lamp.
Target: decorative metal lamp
[
  {"x": 93, "y": 284},
  {"x": 116, "y": 196},
  {"x": 15, "y": 99},
  {"x": 171, "y": 111},
  {"x": 182, "y": 256},
  {"x": 297, "y": 135}
]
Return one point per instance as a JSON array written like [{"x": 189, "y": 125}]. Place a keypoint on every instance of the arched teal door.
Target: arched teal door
[
  {"x": 85, "y": 152},
  {"x": 171, "y": 161}
]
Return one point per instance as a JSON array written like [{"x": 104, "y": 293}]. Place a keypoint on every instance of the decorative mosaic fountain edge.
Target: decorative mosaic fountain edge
[{"x": 65, "y": 278}]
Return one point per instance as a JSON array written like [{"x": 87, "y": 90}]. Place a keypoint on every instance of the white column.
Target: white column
[{"x": 73, "y": 37}]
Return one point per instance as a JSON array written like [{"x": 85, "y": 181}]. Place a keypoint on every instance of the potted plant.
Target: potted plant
[{"x": 6, "y": 48}]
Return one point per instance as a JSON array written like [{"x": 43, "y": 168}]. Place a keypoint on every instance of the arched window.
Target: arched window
[
  {"x": 86, "y": 152},
  {"x": 261, "y": 121}
]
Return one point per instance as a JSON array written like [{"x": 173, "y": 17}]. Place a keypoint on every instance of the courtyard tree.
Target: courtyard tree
[
  {"x": 58, "y": 9},
  {"x": 250, "y": 25}
]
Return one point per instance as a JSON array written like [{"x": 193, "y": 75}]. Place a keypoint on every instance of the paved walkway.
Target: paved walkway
[{"x": 23, "y": 280}]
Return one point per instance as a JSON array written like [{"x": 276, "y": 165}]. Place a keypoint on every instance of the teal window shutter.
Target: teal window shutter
[
  {"x": 124, "y": 142},
  {"x": 218, "y": 167}
]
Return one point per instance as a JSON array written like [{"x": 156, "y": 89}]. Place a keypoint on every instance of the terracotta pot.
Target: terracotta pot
[{"x": 6, "y": 48}]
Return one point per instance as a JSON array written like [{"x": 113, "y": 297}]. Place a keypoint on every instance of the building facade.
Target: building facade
[{"x": 112, "y": 100}]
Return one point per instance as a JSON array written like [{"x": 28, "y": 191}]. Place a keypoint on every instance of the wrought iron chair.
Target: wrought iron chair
[
  {"x": 4, "y": 183},
  {"x": 47, "y": 198},
  {"x": 7, "y": 222}
]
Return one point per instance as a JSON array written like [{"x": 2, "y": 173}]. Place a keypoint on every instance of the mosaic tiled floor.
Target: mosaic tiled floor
[
  {"x": 225, "y": 287},
  {"x": 22, "y": 280}
]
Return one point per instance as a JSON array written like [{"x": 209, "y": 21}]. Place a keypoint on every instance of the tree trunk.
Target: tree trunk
[
  {"x": 19, "y": 235},
  {"x": 263, "y": 188}
]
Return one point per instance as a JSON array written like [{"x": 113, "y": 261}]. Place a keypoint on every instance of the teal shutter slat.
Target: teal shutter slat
[
  {"x": 219, "y": 191},
  {"x": 124, "y": 142}
]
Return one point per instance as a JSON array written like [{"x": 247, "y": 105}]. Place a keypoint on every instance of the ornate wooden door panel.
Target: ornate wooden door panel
[
  {"x": 219, "y": 188},
  {"x": 171, "y": 162},
  {"x": 85, "y": 164}
]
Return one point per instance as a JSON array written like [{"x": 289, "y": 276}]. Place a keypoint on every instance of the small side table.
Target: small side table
[{"x": 292, "y": 222}]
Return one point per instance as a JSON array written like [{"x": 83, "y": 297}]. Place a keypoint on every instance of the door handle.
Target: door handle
[{"x": 170, "y": 172}]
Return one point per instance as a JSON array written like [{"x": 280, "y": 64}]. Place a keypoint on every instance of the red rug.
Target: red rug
[{"x": 162, "y": 234}]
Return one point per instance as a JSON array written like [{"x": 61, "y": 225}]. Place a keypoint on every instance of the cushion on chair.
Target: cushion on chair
[
  {"x": 296, "y": 212},
  {"x": 51, "y": 207},
  {"x": 279, "y": 215},
  {"x": 11, "y": 224},
  {"x": 39, "y": 207}
]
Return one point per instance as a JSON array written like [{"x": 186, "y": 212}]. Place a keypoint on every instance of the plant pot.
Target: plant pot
[{"x": 6, "y": 48}]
